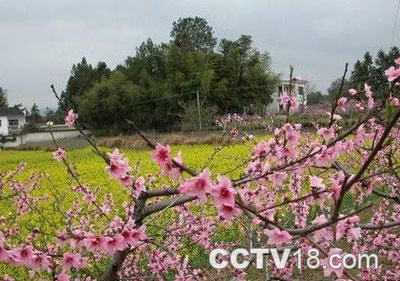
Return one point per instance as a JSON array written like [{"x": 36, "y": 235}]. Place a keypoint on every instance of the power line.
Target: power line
[
  {"x": 166, "y": 98},
  {"x": 238, "y": 88},
  {"x": 195, "y": 92}
]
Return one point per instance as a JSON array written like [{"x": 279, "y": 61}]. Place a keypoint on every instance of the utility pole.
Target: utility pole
[{"x": 199, "y": 109}]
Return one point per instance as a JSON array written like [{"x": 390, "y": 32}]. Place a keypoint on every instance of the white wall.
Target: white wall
[
  {"x": 32, "y": 138},
  {"x": 17, "y": 142},
  {"x": 45, "y": 136},
  {"x": 22, "y": 121},
  {"x": 4, "y": 126}
]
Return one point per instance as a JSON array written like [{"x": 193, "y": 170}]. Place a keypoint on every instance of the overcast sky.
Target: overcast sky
[{"x": 41, "y": 39}]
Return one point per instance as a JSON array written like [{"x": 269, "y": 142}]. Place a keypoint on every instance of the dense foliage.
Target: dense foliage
[
  {"x": 33, "y": 116},
  {"x": 316, "y": 97},
  {"x": 83, "y": 76},
  {"x": 193, "y": 35},
  {"x": 369, "y": 70},
  {"x": 156, "y": 85}
]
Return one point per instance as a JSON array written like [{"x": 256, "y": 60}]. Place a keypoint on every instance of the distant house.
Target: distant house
[
  {"x": 12, "y": 120},
  {"x": 298, "y": 91}
]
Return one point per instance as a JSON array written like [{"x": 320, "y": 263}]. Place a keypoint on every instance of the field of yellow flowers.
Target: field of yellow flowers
[{"x": 91, "y": 171}]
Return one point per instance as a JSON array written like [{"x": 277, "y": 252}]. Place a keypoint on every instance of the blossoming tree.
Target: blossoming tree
[{"x": 292, "y": 193}]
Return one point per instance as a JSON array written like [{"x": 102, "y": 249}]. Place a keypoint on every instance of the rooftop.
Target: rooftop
[{"x": 8, "y": 111}]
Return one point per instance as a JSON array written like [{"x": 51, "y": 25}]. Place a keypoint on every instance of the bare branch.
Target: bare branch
[
  {"x": 153, "y": 146},
  {"x": 379, "y": 227}
]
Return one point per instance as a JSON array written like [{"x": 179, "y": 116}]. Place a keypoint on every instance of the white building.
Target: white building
[
  {"x": 299, "y": 91},
  {"x": 12, "y": 120}
]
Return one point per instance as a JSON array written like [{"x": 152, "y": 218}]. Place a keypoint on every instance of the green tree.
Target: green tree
[
  {"x": 316, "y": 97},
  {"x": 83, "y": 76},
  {"x": 160, "y": 80},
  {"x": 3, "y": 98},
  {"x": 147, "y": 65},
  {"x": 193, "y": 35},
  {"x": 244, "y": 76},
  {"x": 363, "y": 71},
  {"x": 372, "y": 71},
  {"x": 334, "y": 88},
  {"x": 55, "y": 116},
  {"x": 382, "y": 62},
  {"x": 34, "y": 115},
  {"x": 109, "y": 102}
]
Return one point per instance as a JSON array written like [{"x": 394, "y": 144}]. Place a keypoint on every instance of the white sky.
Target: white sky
[{"x": 41, "y": 39}]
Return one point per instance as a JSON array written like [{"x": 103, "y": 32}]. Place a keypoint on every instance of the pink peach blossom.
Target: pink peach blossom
[
  {"x": 353, "y": 92},
  {"x": 25, "y": 255},
  {"x": 223, "y": 192},
  {"x": 337, "y": 183},
  {"x": 228, "y": 212},
  {"x": 59, "y": 154},
  {"x": 392, "y": 73},
  {"x": 335, "y": 117},
  {"x": 63, "y": 276},
  {"x": 395, "y": 102},
  {"x": 119, "y": 167},
  {"x": 324, "y": 233},
  {"x": 133, "y": 236},
  {"x": 347, "y": 228},
  {"x": 316, "y": 182},
  {"x": 368, "y": 90},
  {"x": 294, "y": 105},
  {"x": 3, "y": 254},
  {"x": 93, "y": 243},
  {"x": 292, "y": 133},
  {"x": 73, "y": 260},
  {"x": 284, "y": 99},
  {"x": 114, "y": 244},
  {"x": 341, "y": 103},
  {"x": 126, "y": 180},
  {"x": 177, "y": 171},
  {"x": 326, "y": 133},
  {"x": 199, "y": 185},
  {"x": 162, "y": 155},
  {"x": 370, "y": 102},
  {"x": 278, "y": 237},
  {"x": 359, "y": 106},
  {"x": 70, "y": 118},
  {"x": 40, "y": 261}
]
